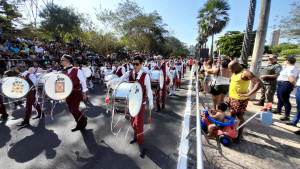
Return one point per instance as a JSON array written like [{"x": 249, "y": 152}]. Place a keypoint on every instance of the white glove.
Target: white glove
[
  {"x": 108, "y": 84},
  {"x": 151, "y": 106}
]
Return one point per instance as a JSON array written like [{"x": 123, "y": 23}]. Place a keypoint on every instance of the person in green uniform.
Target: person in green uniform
[{"x": 269, "y": 77}]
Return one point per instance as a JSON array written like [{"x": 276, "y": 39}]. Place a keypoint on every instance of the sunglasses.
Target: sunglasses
[{"x": 135, "y": 64}]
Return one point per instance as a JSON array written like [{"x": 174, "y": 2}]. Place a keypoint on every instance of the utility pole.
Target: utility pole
[{"x": 260, "y": 39}]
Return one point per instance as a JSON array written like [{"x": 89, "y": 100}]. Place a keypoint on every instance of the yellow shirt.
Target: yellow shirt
[{"x": 238, "y": 86}]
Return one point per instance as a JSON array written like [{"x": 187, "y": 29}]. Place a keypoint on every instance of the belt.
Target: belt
[{"x": 283, "y": 81}]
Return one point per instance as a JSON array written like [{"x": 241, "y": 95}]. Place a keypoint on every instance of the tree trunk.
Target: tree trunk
[
  {"x": 212, "y": 47},
  {"x": 260, "y": 39},
  {"x": 248, "y": 34}
]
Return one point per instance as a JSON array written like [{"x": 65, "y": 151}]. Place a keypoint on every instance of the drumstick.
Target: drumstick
[
  {"x": 107, "y": 96},
  {"x": 149, "y": 119}
]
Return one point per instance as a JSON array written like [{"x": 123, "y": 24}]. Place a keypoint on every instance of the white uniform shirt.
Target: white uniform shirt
[
  {"x": 32, "y": 77},
  {"x": 167, "y": 72},
  {"x": 81, "y": 77},
  {"x": 120, "y": 67},
  {"x": 147, "y": 83},
  {"x": 286, "y": 72}
]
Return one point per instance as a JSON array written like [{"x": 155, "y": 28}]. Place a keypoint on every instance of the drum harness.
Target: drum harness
[{"x": 126, "y": 113}]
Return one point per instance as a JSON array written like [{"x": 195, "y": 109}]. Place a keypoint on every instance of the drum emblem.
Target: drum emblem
[
  {"x": 136, "y": 90},
  {"x": 17, "y": 87},
  {"x": 59, "y": 85}
]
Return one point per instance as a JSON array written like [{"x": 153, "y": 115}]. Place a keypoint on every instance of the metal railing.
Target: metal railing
[{"x": 198, "y": 127}]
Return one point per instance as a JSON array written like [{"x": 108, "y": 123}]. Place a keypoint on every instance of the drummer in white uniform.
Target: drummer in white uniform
[{"x": 137, "y": 75}]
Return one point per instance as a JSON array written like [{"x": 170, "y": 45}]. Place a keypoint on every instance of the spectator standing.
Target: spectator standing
[
  {"x": 221, "y": 81},
  {"x": 297, "y": 115},
  {"x": 269, "y": 77},
  {"x": 286, "y": 82},
  {"x": 238, "y": 92}
]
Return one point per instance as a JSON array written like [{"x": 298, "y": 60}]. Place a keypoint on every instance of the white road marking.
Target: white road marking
[{"x": 184, "y": 143}]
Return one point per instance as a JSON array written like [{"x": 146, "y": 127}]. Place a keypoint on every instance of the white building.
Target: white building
[{"x": 274, "y": 38}]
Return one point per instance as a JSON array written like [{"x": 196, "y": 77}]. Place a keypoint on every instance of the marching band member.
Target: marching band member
[
  {"x": 31, "y": 96},
  {"x": 49, "y": 68},
  {"x": 90, "y": 79},
  {"x": 137, "y": 122},
  {"x": 180, "y": 72},
  {"x": 35, "y": 69},
  {"x": 164, "y": 68},
  {"x": 175, "y": 76},
  {"x": 119, "y": 70},
  {"x": 78, "y": 92}
]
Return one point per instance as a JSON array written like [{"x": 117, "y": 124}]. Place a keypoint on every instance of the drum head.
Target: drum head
[
  {"x": 42, "y": 77},
  {"x": 161, "y": 79},
  {"x": 135, "y": 99},
  {"x": 87, "y": 71},
  {"x": 14, "y": 87},
  {"x": 110, "y": 77},
  {"x": 58, "y": 86}
]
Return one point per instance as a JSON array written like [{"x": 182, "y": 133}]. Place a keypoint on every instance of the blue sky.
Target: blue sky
[{"x": 181, "y": 15}]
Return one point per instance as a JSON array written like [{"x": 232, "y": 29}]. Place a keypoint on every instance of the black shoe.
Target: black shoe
[
  {"x": 23, "y": 124},
  {"x": 133, "y": 140},
  {"x": 80, "y": 125},
  {"x": 39, "y": 116},
  {"x": 284, "y": 118},
  {"x": 290, "y": 123},
  {"x": 158, "y": 110},
  {"x": 163, "y": 106},
  {"x": 276, "y": 112},
  {"x": 142, "y": 151},
  {"x": 259, "y": 103},
  {"x": 297, "y": 132},
  {"x": 4, "y": 117}
]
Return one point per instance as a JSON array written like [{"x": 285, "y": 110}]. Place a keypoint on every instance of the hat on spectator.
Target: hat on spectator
[{"x": 273, "y": 57}]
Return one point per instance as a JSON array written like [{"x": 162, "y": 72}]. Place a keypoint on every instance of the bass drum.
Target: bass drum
[
  {"x": 128, "y": 96},
  {"x": 110, "y": 77},
  {"x": 14, "y": 87},
  {"x": 87, "y": 71},
  {"x": 57, "y": 86},
  {"x": 157, "y": 79}
]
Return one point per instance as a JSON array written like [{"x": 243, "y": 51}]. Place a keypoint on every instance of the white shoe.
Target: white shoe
[{"x": 170, "y": 94}]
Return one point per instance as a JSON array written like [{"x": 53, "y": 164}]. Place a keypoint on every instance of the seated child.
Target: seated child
[{"x": 218, "y": 116}]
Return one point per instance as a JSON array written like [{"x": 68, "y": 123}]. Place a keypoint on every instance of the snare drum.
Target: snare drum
[
  {"x": 14, "y": 87},
  {"x": 57, "y": 86},
  {"x": 128, "y": 96},
  {"x": 87, "y": 71},
  {"x": 157, "y": 79}
]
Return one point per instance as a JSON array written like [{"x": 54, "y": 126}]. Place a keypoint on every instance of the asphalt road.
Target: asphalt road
[{"x": 50, "y": 143}]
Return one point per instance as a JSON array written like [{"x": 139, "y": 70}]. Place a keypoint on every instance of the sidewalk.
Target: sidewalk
[{"x": 274, "y": 146}]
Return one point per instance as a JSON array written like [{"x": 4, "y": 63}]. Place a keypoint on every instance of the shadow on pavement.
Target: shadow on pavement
[
  {"x": 5, "y": 134},
  {"x": 159, "y": 157},
  {"x": 103, "y": 157},
  {"x": 31, "y": 146}
]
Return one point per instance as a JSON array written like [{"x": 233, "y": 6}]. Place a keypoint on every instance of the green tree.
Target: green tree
[
  {"x": 9, "y": 16},
  {"x": 213, "y": 17},
  {"x": 58, "y": 20},
  {"x": 283, "y": 46},
  {"x": 231, "y": 44},
  {"x": 290, "y": 25},
  {"x": 174, "y": 47},
  {"x": 290, "y": 52}
]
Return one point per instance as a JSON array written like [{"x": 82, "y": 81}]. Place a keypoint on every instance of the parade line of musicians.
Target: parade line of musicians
[{"x": 136, "y": 70}]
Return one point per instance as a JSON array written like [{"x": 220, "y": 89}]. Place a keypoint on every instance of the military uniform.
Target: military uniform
[{"x": 269, "y": 87}]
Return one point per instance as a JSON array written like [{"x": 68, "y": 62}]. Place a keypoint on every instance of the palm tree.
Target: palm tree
[
  {"x": 213, "y": 18},
  {"x": 248, "y": 34}
]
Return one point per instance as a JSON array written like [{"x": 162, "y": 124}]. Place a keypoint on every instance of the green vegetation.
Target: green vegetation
[
  {"x": 213, "y": 18},
  {"x": 128, "y": 25}
]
